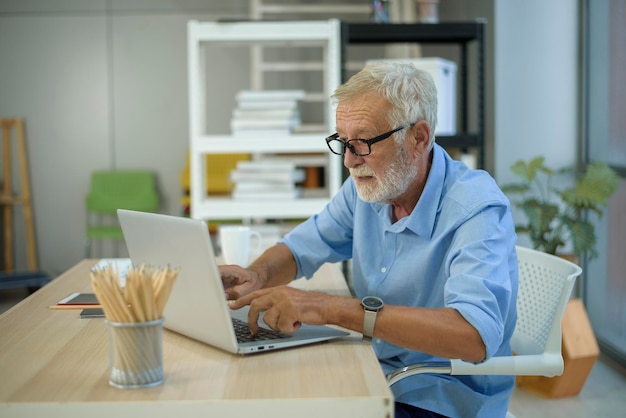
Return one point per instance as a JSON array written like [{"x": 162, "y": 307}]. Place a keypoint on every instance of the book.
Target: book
[
  {"x": 299, "y": 160},
  {"x": 268, "y": 104},
  {"x": 265, "y": 186},
  {"x": 268, "y": 176},
  {"x": 261, "y": 133},
  {"x": 270, "y": 95},
  {"x": 269, "y": 195},
  {"x": 258, "y": 124},
  {"x": 247, "y": 114},
  {"x": 79, "y": 299},
  {"x": 92, "y": 313},
  {"x": 266, "y": 165}
]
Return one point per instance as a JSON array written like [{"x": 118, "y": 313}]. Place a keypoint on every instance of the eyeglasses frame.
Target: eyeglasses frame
[{"x": 369, "y": 142}]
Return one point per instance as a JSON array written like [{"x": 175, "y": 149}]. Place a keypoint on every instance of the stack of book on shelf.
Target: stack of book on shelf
[
  {"x": 266, "y": 112},
  {"x": 270, "y": 180}
]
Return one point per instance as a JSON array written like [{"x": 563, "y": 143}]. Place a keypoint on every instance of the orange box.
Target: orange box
[{"x": 580, "y": 352}]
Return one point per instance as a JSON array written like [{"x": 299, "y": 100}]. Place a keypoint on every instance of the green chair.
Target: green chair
[{"x": 112, "y": 190}]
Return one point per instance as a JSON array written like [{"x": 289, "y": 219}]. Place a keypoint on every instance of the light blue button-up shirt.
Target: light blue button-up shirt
[{"x": 456, "y": 249}]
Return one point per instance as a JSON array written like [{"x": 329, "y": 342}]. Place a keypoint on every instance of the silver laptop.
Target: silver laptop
[{"x": 197, "y": 306}]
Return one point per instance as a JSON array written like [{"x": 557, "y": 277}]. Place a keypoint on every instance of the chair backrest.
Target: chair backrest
[
  {"x": 124, "y": 189},
  {"x": 545, "y": 286}
]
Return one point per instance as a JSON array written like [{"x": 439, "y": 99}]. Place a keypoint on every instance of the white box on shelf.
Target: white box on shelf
[{"x": 443, "y": 73}]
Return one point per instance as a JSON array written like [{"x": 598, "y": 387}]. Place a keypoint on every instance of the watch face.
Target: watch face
[{"x": 372, "y": 302}]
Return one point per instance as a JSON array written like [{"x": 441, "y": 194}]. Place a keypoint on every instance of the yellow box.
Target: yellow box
[{"x": 218, "y": 168}]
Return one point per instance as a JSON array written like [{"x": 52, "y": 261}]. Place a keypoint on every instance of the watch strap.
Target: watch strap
[{"x": 369, "y": 321}]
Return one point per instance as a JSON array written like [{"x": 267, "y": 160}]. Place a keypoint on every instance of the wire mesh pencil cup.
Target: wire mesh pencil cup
[
  {"x": 134, "y": 318},
  {"x": 136, "y": 354}
]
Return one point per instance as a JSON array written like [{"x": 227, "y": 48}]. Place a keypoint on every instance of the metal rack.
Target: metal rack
[{"x": 462, "y": 34}]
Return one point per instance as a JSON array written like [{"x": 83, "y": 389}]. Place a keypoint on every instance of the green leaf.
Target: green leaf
[
  {"x": 540, "y": 215},
  {"x": 551, "y": 224},
  {"x": 519, "y": 169},
  {"x": 583, "y": 237},
  {"x": 594, "y": 188},
  {"x": 528, "y": 171}
]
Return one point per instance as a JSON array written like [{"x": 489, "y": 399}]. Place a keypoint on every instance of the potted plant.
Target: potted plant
[{"x": 554, "y": 217}]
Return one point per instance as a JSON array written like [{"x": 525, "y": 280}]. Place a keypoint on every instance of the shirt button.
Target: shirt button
[{"x": 383, "y": 270}]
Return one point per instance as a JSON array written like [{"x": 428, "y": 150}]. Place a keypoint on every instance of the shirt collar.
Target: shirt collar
[{"x": 422, "y": 220}]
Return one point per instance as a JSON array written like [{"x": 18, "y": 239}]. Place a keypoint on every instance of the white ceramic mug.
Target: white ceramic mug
[{"x": 237, "y": 243}]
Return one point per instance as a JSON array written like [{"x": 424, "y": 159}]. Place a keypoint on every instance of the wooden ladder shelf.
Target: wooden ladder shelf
[{"x": 9, "y": 198}]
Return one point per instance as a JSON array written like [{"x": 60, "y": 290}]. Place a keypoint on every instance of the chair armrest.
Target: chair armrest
[
  {"x": 442, "y": 367},
  {"x": 548, "y": 365}
]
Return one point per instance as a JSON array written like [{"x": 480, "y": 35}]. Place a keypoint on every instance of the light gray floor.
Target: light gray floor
[{"x": 604, "y": 393}]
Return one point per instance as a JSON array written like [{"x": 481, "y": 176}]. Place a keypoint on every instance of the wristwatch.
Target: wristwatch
[{"x": 371, "y": 306}]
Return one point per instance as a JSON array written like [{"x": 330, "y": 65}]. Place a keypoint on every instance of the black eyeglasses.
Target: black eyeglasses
[{"x": 358, "y": 147}]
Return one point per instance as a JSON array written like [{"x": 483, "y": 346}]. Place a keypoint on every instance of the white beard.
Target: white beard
[{"x": 394, "y": 182}]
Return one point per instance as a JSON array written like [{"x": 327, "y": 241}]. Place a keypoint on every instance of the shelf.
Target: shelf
[
  {"x": 222, "y": 144},
  {"x": 281, "y": 33},
  {"x": 323, "y": 34},
  {"x": 225, "y": 208},
  {"x": 374, "y": 33},
  {"x": 458, "y": 141},
  {"x": 291, "y": 66},
  {"x": 328, "y": 9}
]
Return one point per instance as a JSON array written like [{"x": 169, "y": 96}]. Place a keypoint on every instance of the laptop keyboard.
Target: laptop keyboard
[{"x": 242, "y": 331}]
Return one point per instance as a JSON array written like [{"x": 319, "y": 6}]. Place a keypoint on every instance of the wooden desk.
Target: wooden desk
[{"x": 55, "y": 364}]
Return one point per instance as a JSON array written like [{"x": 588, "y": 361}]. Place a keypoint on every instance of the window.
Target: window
[{"x": 605, "y": 140}]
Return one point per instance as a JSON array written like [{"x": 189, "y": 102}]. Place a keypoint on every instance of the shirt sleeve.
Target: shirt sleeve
[{"x": 482, "y": 283}]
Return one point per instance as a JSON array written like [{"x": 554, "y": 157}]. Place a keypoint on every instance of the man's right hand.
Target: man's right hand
[{"x": 239, "y": 281}]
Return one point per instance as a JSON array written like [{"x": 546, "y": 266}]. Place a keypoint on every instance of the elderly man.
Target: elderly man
[{"x": 432, "y": 245}]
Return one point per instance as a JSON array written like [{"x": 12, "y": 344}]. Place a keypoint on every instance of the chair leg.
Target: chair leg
[{"x": 87, "y": 248}]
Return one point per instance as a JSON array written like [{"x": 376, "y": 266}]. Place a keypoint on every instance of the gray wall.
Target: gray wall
[
  {"x": 100, "y": 85},
  {"x": 536, "y": 82},
  {"x": 103, "y": 84},
  {"x": 536, "y": 108}
]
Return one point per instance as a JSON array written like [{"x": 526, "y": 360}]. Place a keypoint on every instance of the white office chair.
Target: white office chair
[{"x": 545, "y": 286}]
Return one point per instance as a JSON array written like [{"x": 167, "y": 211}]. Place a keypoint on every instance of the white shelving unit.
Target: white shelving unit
[
  {"x": 261, "y": 9},
  {"x": 326, "y": 34},
  {"x": 352, "y": 11},
  {"x": 263, "y": 65}
]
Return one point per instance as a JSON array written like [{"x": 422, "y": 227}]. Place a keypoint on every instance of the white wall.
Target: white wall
[{"x": 536, "y": 83}]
